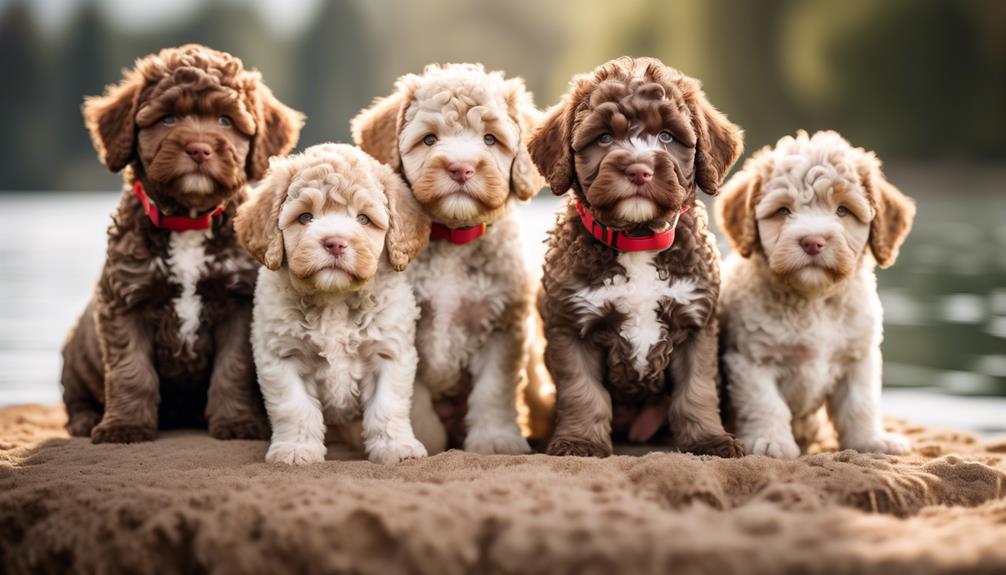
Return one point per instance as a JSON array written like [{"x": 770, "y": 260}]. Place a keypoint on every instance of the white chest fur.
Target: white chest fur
[
  {"x": 187, "y": 262},
  {"x": 637, "y": 295}
]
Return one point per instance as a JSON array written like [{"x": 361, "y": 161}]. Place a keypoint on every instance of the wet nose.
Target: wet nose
[
  {"x": 461, "y": 172},
  {"x": 812, "y": 244},
  {"x": 333, "y": 246},
  {"x": 199, "y": 152},
  {"x": 639, "y": 174}
]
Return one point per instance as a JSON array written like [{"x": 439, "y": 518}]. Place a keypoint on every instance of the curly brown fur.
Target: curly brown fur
[
  {"x": 634, "y": 334},
  {"x": 164, "y": 340}
]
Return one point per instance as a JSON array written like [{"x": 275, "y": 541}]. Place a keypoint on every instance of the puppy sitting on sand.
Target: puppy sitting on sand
[
  {"x": 801, "y": 319},
  {"x": 334, "y": 324}
]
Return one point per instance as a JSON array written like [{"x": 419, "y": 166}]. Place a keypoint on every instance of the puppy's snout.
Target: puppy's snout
[
  {"x": 334, "y": 246},
  {"x": 639, "y": 174},
  {"x": 460, "y": 172},
  {"x": 199, "y": 152},
  {"x": 813, "y": 245}
]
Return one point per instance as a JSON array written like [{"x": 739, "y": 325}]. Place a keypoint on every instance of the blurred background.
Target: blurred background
[{"x": 921, "y": 82}]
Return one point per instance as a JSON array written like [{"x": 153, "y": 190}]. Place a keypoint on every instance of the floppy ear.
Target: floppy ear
[
  {"x": 409, "y": 226},
  {"x": 735, "y": 211},
  {"x": 718, "y": 141},
  {"x": 549, "y": 148},
  {"x": 375, "y": 129},
  {"x": 525, "y": 181},
  {"x": 257, "y": 221},
  {"x": 111, "y": 120},
  {"x": 277, "y": 129},
  {"x": 893, "y": 213}
]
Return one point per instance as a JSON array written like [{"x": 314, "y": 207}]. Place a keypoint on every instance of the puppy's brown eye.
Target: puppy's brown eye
[
  {"x": 305, "y": 218},
  {"x": 363, "y": 220},
  {"x": 665, "y": 137},
  {"x": 225, "y": 122},
  {"x": 783, "y": 212},
  {"x": 489, "y": 139},
  {"x": 605, "y": 139},
  {"x": 169, "y": 120},
  {"x": 430, "y": 139},
  {"x": 842, "y": 211}
]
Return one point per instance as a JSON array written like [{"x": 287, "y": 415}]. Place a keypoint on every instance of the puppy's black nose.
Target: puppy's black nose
[
  {"x": 333, "y": 246},
  {"x": 199, "y": 152},
  {"x": 812, "y": 244}
]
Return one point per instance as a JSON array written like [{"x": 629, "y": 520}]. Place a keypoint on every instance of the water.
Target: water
[{"x": 945, "y": 298}]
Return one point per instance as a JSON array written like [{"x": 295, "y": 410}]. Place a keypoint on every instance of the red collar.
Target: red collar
[
  {"x": 655, "y": 242},
  {"x": 173, "y": 223},
  {"x": 457, "y": 236}
]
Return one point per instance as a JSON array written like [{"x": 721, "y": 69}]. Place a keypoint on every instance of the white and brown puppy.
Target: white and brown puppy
[
  {"x": 801, "y": 319},
  {"x": 457, "y": 135},
  {"x": 333, "y": 329}
]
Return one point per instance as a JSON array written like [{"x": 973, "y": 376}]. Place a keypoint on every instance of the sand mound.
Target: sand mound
[{"x": 190, "y": 503}]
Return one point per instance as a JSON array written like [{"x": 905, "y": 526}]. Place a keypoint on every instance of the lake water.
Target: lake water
[{"x": 944, "y": 300}]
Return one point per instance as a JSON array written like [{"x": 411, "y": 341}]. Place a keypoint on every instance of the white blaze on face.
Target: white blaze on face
[{"x": 187, "y": 263}]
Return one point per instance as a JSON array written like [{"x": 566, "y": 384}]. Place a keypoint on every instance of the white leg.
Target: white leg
[
  {"x": 425, "y": 422},
  {"x": 491, "y": 420},
  {"x": 387, "y": 429},
  {"x": 298, "y": 426},
  {"x": 763, "y": 418},
  {"x": 854, "y": 407}
]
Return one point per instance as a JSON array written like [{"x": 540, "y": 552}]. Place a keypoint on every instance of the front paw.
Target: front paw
[
  {"x": 505, "y": 441},
  {"x": 577, "y": 447},
  {"x": 778, "y": 445},
  {"x": 387, "y": 451},
  {"x": 81, "y": 423},
  {"x": 251, "y": 428},
  {"x": 725, "y": 446},
  {"x": 886, "y": 443},
  {"x": 122, "y": 433},
  {"x": 292, "y": 453}
]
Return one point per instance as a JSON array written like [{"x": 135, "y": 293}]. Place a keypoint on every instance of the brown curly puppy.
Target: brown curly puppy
[
  {"x": 632, "y": 274},
  {"x": 164, "y": 339}
]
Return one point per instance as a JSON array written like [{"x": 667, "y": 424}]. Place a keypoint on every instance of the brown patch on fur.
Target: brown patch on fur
[
  {"x": 894, "y": 213},
  {"x": 125, "y": 362},
  {"x": 735, "y": 211}
]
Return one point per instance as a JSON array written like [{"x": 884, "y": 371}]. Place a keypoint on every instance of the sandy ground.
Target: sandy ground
[{"x": 188, "y": 503}]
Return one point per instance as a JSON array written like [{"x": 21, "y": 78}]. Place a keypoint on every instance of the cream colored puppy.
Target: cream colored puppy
[
  {"x": 800, "y": 317},
  {"x": 334, "y": 324}
]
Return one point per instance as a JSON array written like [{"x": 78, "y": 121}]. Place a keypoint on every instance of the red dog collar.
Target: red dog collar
[
  {"x": 611, "y": 237},
  {"x": 457, "y": 236},
  {"x": 173, "y": 223}
]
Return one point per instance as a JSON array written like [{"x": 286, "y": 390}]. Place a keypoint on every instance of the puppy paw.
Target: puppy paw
[
  {"x": 291, "y": 453},
  {"x": 778, "y": 446},
  {"x": 387, "y": 452},
  {"x": 251, "y": 428},
  {"x": 886, "y": 443},
  {"x": 122, "y": 433},
  {"x": 725, "y": 446},
  {"x": 577, "y": 447},
  {"x": 81, "y": 423},
  {"x": 507, "y": 441}
]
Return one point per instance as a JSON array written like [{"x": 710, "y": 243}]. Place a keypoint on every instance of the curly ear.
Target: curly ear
[
  {"x": 719, "y": 143},
  {"x": 409, "y": 226},
  {"x": 375, "y": 129},
  {"x": 550, "y": 148},
  {"x": 735, "y": 211},
  {"x": 257, "y": 221},
  {"x": 893, "y": 212},
  {"x": 525, "y": 181},
  {"x": 277, "y": 129},
  {"x": 111, "y": 120}
]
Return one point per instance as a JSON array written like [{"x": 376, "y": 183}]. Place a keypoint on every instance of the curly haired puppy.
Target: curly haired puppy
[
  {"x": 334, "y": 325},
  {"x": 457, "y": 134},
  {"x": 164, "y": 340},
  {"x": 631, "y": 273},
  {"x": 809, "y": 220}
]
